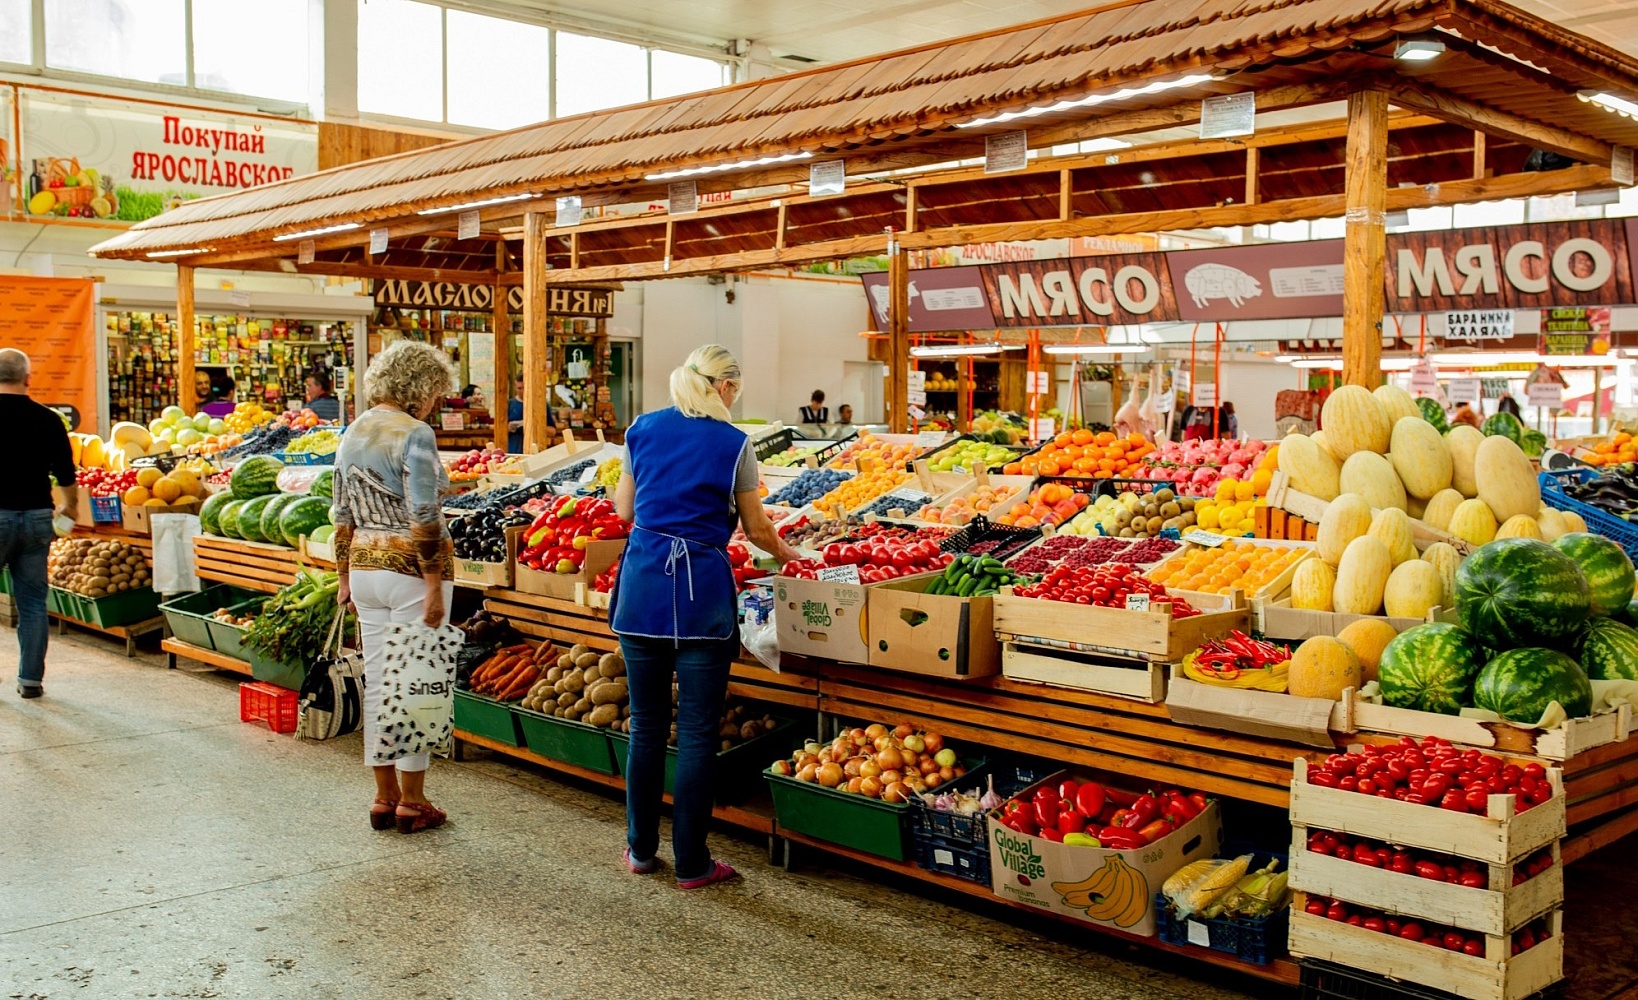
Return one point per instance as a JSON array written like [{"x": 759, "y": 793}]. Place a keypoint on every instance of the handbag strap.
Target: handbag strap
[{"x": 332, "y": 643}]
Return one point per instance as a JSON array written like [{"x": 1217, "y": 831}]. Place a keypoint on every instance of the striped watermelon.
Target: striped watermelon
[
  {"x": 1607, "y": 567},
  {"x": 1433, "y": 413},
  {"x": 1521, "y": 592},
  {"x": 1629, "y": 615},
  {"x": 268, "y": 525},
  {"x": 255, "y": 476},
  {"x": 1609, "y": 651},
  {"x": 227, "y": 518},
  {"x": 1519, "y": 684},
  {"x": 210, "y": 514},
  {"x": 1430, "y": 668},
  {"x": 321, "y": 486},
  {"x": 302, "y": 518},
  {"x": 249, "y": 521}
]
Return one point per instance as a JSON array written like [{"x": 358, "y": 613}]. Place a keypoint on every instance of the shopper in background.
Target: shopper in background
[
  {"x": 1180, "y": 426},
  {"x": 514, "y": 420},
  {"x": 844, "y": 421},
  {"x": 1199, "y": 428},
  {"x": 1464, "y": 415},
  {"x": 39, "y": 452},
  {"x": 393, "y": 551},
  {"x": 690, "y": 476},
  {"x": 1228, "y": 425},
  {"x": 1507, "y": 404},
  {"x": 319, "y": 398},
  {"x": 816, "y": 412}
]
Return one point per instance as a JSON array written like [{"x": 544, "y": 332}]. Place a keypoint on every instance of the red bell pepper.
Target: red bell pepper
[
  {"x": 1070, "y": 821},
  {"x": 1051, "y": 833},
  {"x": 1089, "y": 799},
  {"x": 1156, "y": 830},
  {"x": 1046, "y": 812},
  {"x": 1143, "y": 812}
]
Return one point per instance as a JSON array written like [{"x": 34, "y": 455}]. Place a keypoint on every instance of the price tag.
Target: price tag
[
  {"x": 1199, "y": 934},
  {"x": 304, "y": 252},
  {"x": 568, "y": 211},
  {"x": 916, "y": 396},
  {"x": 1042, "y": 428},
  {"x": 929, "y": 439},
  {"x": 1205, "y": 538},
  {"x": 1008, "y": 151},
  {"x": 1041, "y": 383},
  {"x": 588, "y": 474},
  {"x": 839, "y": 574},
  {"x": 467, "y": 225},
  {"x": 1205, "y": 395},
  {"x": 378, "y": 241},
  {"x": 1464, "y": 390},
  {"x": 240, "y": 300},
  {"x": 1228, "y": 115},
  {"x": 1181, "y": 380},
  {"x": 916, "y": 413},
  {"x": 916, "y": 379},
  {"x": 681, "y": 197},
  {"x": 1164, "y": 401},
  {"x": 1137, "y": 602},
  {"x": 1549, "y": 394},
  {"x": 827, "y": 177}
]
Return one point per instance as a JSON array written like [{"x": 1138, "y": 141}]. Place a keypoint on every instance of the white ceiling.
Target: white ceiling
[{"x": 835, "y": 30}]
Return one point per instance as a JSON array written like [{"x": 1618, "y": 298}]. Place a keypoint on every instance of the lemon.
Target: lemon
[{"x": 42, "y": 203}]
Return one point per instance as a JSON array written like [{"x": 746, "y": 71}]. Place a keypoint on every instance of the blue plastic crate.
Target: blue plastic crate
[
  {"x": 1618, "y": 530},
  {"x": 1255, "y": 941},
  {"x": 305, "y": 458}
]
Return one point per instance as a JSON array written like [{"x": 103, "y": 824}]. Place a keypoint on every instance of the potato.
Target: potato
[
  {"x": 611, "y": 665},
  {"x": 578, "y": 650},
  {"x": 565, "y": 662},
  {"x": 572, "y": 713},
  {"x": 625, "y": 711},
  {"x": 554, "y": 674},
  {"x": 604, "y": 716},
  {"x": 574, "y": 681},
  {"x": 584, "y": 705},
  {"x": 590, "y": 675},
  {"x": 608, "y": 693},
  {"x": 566, "y": 699},
  {"x": 586, "y": 659}
]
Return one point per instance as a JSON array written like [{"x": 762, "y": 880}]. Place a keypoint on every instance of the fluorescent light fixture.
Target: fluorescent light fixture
[
  {"x": 180, "y": 253},
  {"x": 1103, "y": 144},
  {"x": 1317, "y": 363},
  {"x": 962, "y": 350},
  {"x": 466, "y": 205},
  {"x": 1398, "y": 364},
  {"x": 1419, "y": 50},
  {"x": 1609, "y": 102},
  {"x": 717, "y": 168},
  {"x": 1096, "y": 349},
  {"x": 1480, "y": 360},
  {"x": 1092, "y": 100},
  {"x": 310, "y": 233}
]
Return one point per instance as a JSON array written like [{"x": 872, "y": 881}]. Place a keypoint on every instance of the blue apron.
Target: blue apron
[{"x": 675, "y": 580}]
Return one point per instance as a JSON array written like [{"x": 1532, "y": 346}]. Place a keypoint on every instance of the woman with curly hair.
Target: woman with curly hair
[{"x": 393, "y": 551}]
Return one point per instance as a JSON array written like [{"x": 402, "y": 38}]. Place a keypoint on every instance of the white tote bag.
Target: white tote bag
[{"x": 417, "y": 690}]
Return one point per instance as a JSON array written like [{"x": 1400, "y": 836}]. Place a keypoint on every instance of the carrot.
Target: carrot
[{"x": 521, "y": 685}]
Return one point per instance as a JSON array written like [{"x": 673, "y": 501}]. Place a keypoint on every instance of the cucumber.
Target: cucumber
[{"x": 968, "y": 586}]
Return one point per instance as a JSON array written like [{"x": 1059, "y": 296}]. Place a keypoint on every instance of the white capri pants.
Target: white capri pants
[{"x": 384, "y": 598}]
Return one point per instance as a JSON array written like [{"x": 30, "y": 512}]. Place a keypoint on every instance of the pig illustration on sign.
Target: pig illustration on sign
[{"x": 1219, "y": 281}]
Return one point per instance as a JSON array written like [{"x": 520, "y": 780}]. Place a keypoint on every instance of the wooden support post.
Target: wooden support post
[
  {"x": 779, "y": 234},
  {"x": 184, "y": 339},
  {"x": 1254, "y": 166},
  {"x": 1066, "y": 195},
  {"x": 502, "y": 323},
  {"x": 1480, "y": 147},
  {"x": 574, "y": 250},
  {"x": 898, "y": 339},
  {"x": 910, "y": 209},
  {"x": 536, "y": 363},
  {"x": 1365, "y": 238}
]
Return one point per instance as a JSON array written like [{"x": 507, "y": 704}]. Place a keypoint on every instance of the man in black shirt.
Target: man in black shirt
[{"x": 39, "y": 451}]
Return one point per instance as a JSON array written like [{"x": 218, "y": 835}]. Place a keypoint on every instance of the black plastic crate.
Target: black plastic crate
[
  {"x": 1329, "y": 981},
  {"x": 955, "y": 858},
  {"x": 773, "y": 444},
  {"x": 1010, "y": 541}
]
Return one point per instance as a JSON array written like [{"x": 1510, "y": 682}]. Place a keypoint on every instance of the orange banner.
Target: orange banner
[{"x": 51, "y": 320}]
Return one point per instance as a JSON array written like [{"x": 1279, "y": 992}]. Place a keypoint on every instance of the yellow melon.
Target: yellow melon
[
  {"x": 1367, "y": 638},
  {"x": 136, "y": 496},
  {"x": 1393, "y": 528},
  {"x": 1446, "y": 560},
  {"x": 146, "y": 478},
  {"x": 1552, "y": 523},
  {"x": 1520, "y": 526},
  {"x": 1473, "y": 522},
  {"x": 1414, "y": 588},
  {"x": 1323, "y": 667},
  {"x": 1345, "y": 519},
  {"x": 1440, "y": 508},
  {"x": 167, "y": 489},
  {"x": 1574, "y": 520},
  {"x": 1312, "y": 584},
  {"x": 155, "y": 502},
  {"x": 189, "y": 483}
]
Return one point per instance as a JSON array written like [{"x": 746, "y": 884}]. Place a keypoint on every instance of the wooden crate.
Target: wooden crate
[
  {"x": 1499, "y": 837},
  {"x": 1152, "y": 634},
  {"x": 1136, "y": 678},
  {"x": 1560, "y": 743},
  {"x": 1492, "y": 976}
]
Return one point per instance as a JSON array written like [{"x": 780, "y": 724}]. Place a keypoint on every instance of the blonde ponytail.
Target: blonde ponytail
[{"x": 694, "y": 383}]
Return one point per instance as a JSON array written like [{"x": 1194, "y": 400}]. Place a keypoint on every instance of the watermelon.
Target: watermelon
[
  {"x": 303, "y": 518},
  {"x": 269, "y": 523},
  {"x": 250, "y": 517},
  {"x": 255, "y": 476},
  {"x": 1629, "y": 616},
  {"x": 1607, "y": 567},
  {"x": 1533, "y": 443},
  {"x": 1521, "y": 592},
  {"x": 1519, "y": 684},
  {"x": 321, "y": 485},
  {"x": 1609, "y": 651},
  {"x": 210, "y": 514},
  {"x": 1506, "y": 425},
  {"x": 1430, "y": 668},
  {"x": 322, "y": 533},
  {"x": 1433, "y": 413},
  {"x": 227, "y": 517}
]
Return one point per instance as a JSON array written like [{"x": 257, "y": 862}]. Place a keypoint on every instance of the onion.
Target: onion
[
  {"x": 928, "y": 765},
  {"x": 782, "y": 767},
  {"x": 853, "y": 785},
  {"x": 808, "y": 772},
  {"x": 946, "y": 773},
  {"x": 890, "y": 760},
  {"x": 875, "y": 731},
  {"x": 812, "y": 746},
  {"x": 870, "y": 788},
  {"x": 946, "y": 757},
  {"x": 914, "y": 743},
  {"x": 858, "y": 736},
  {"x": 959, "y": 770},
  {"x": 910, "y": 758},
  {"x": 869, "y": 769},
  {"x": 882, "y": 743},
  {"x": 933, "y": 780},
  {"x": 896, "y": 791},
  {"x": 830, "y": 774},
  {"x": 891, "y": 777},
  {"x": 903, "y": 729},
  {"x": 916, "y": 784},
  {"x": 933, "y": 741},
  {"x": 803, "y": 757},
  {"x": 851, "y": 767}
]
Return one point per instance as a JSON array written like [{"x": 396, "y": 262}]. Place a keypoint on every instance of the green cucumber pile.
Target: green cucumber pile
[{"x": 973, "y": 576}]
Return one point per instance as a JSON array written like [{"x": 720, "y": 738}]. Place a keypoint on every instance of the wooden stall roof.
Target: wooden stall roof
[{"x": 1505, "y": 72}]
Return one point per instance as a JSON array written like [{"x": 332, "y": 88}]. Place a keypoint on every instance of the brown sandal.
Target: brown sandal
[
  {"x": 384, "y": 819},
  {"x": 426, "y": 817}
]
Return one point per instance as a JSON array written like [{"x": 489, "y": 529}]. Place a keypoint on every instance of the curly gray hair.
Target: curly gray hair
[{"x": 408, "y": 374}]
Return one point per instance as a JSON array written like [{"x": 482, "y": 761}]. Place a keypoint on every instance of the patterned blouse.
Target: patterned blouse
[{"x": 388, "y": 490}]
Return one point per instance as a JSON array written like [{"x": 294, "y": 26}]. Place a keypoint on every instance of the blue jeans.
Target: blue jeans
[
  {"x": 25, "y": 538},
  {"x": 701, "y": 670}
]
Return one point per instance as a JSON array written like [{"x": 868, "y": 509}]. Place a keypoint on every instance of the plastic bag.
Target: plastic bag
[
  {"x": 1198, "y": 885},
  {"x": 417, "y": 691},
  {"x": 174, "y": 569},
  {"x": 757, "y": 632}
]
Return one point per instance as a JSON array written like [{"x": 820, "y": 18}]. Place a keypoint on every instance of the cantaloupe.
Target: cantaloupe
[
  {"x": 1372, "y": 476},
  {"x": 1519, "y": 526},
  {"x": 1397, "y": 404},
  {"x": 93, "y": 455},
  {"x": 1310, "y": 468},
  {"x": 1575, "y": 521},
  {"x": 1473, "y": 522},
  {"x": 1323, "y": 667},
  {"x": 167, "y": 489},
  {"x": 126, "y": 432},
  {"x": 1414, "y": 588},
  {"x": 1367, "y": 638},
  {"x": 1354, "y": 420},
  {"x": 1443, "y": 557},
  {"x": 136, "y": 496},
  {"x": 1420, "y": 457},
  {"x": 1440, "y": 508},
  {"x": 1362, "y": 577},
  {"x": 1463, "y": 443},
  {"x": 1552, "y": 523},
  {"x": 1345, "y": 519},
  {"x": 146, "y": 478},
  {"x": 1505, "y": 478},
  {"x": 1392, "y": 527},
  {"x": 188, "y": 482},
  {"x": 1312, "y": 585}
]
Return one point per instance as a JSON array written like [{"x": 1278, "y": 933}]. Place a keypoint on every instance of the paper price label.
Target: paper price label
[
  {"x": 929, "y": 439},
  {"x": 467, "y": 225},
  {"x": 1199, "y": 934},
  {"x": 916, "y": 379},
  {"x": 1205, "y": 538},
  {"x": 378, "y": 241},
  {"x": 839, "y": 574},
  {"x": 1042, "y": 428},
  {"x": 1205, "y": 395},
  {"x": 304, "y": 252},
  {"x": 916, "y": 396},
  {"x": 1137, "y": 602},
  {"x": 1008, "y": 151},
  {"x": 1041, "y": 383}
]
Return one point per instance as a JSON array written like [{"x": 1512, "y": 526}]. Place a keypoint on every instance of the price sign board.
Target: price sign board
[
  {"x": 1205, "y": 395},
  {"x": 1463, "y": 390}
]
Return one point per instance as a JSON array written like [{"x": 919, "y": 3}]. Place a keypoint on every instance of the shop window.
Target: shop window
[
  {"x": 672, "y": 73},
  {"x": 401, "y": 59},
  {"x": 221, "y": 30},
  {"x": 499, "y": 71},
  {"x": 142, "y": 40},
  {"x": 16, "y": 31},
  {"x": 596, "y": 73}
]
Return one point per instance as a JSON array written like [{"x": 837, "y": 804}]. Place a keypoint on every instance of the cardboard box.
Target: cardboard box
[
  {"x": 1279, "y": 620},
  {"x": 1264, "y": 714},
  {"x": 934, "y": 634},
  {"x": 600, "y": 555},
  {"x": 480, "y": 574},
  {"x": 136, "y": 518},
  {"x": 817, "y": 618},
  {"x": 1039, "y": 873}
]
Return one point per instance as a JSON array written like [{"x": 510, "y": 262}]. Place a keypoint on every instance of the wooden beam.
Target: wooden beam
[
  {"x": 501, "y": 321},
  {"x": 184, "y": 339},
  {"x": 1066, "y": 195},
  {"x": 898, "y": 339},
  {"x": 536, "y": 359},
  {"x": 1461, "y": 111},
  {"x": 1365, "y": 241},
  {"x": 1254, "y": 166},
  {"x": 1481, "y": 144},
  {"x": 378, "y": 272},
  {"x": 911, "y": 208},
  {"x": 574, "y": 249},
  {"x": 779, "y": 233}
]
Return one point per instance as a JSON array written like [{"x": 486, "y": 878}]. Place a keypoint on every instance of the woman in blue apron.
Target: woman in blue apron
[{"x": 690, "y": 477}]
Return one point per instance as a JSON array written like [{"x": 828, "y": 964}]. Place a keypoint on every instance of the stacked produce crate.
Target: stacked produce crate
[{"x": 1484, "y": 924}]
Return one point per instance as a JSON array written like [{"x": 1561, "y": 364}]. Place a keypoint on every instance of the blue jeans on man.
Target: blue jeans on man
[
  {"x": 701, "y": 671},
  {"x": 25, "y": 539}
]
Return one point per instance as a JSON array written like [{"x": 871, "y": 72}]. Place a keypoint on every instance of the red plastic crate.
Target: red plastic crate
[{"x": 269, "y": 703}]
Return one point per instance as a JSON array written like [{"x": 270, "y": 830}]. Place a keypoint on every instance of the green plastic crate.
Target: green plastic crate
[
  {"x": 567, "y": 741},
  {"x": 280, "y": 672},
  {"x": 127, "y": 608},
  {"x": 868, "y": 825},
  {"x": 229, "y": 639},
  {"x": 189, "y": 615},
  {"x": 738, "y": 771},
  {"x": 5, "y": 580},
  {"x": 486, "y": 717}
]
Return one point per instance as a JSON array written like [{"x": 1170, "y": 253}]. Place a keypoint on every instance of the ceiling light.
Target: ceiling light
[
  {"x": 717, "y": 168},
  {"x": 310, "y": 233},
  {"x": 1481, "y": 358},
  {"x": 962, "y": 350},
  {"x": 1317, "y": 363},
  {"x": 1095, "y": 349},
  {"x": 1092, "y": 100},
  {"x": 180, "y": 253},
  {"x": 1104, "y": 144},
  {"x": 1419, "y": 50},
  {"x": 1609, "y": 102},
  {"x": 466, "y": 205}
]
